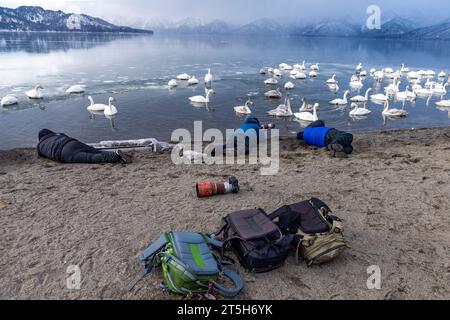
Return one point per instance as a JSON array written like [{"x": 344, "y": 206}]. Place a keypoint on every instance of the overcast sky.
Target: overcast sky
[{"x": 239, "y": 11}]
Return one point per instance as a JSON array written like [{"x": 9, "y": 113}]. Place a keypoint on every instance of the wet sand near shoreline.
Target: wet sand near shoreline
[{"x": 393, "y": 195}]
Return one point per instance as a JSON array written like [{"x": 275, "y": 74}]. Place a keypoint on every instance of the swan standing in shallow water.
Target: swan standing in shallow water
[
  {"x": 357, "y": 111},
  {"x": 9, "y": 100},
  {"x": 75, "y": 89},
  {"x": 110, "y": 109},
  {"x": 36, "y": 93},
  {"x": 244, "y": 109},
  {"x": 361, "y": 98},
  {"x": 339, "y": 102},
  {"x": 308, "y": 116},
  {"x": 202, "y": 99},
  {"x": 283, "y": 110},
  {"x": 393, "y": 112},
  {"x": 273, "y": 94}
]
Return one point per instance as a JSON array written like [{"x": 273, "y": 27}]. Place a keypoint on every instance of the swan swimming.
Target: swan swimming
[
  {"x": 357, "y": 111},
  {"x": 394, "y": 87},
  {"x": 183, "y": 77},
  {"x": 442, "y": 74},
  {"x": 9, "y": 100},
  {"x": 271, "y": 82},
  {"x": 110, "y": 110},
  {"x": 338, "y": 102},
  {"x": 404, "y": 69},
  {"x": 202, "y": 99},
  {"x": 283, "y": 110},
  {"x": 308, "y": 116},
  {"x": 300, "y": 76},
  {"x": 361, "y": 98},
  {"x": 173, "y": 83},
  {"x": 332, "y": 80},
  {"x": 356, "y": 83},
  {"x": 313, "y": 74},
  {"x": 393, "y": 112},
  {"x": 274, "y": 94},
  {"x": 209, "y": 77},
  {"x": 359, "y": 67},
  {"x": 95, "y": 107},
  {"x": 75, "y": 89},
  {"x": 307, "y": 107},
  {"x": 379, "y": 97},
  {"x": 402, "y": 96},
  {"x": 36, "y": 93},
  {"x": 289, "y": 86},
  {"x": 441, "y": 90},
  {"x": 443, "y": 103},
  {"x": 192, "y": 81},
  {"x": 244, "y": 109},
  {"x": 262, "y": 71},
  {"x": 315, "y": 67}
]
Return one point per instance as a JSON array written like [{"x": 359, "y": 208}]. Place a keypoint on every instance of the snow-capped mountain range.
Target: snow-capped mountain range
[
  {"x": 28, "y": 18},
  {"x": 38, "y": 19}
]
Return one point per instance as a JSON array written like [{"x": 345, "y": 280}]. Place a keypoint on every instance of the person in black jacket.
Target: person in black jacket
[{"x": 62, "y": 148}]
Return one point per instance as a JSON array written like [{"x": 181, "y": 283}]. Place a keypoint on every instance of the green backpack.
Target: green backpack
[{"x": 191, "y": 265}]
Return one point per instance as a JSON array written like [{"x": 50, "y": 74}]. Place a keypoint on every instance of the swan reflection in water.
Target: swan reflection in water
[{"x": 112, "y": 119}]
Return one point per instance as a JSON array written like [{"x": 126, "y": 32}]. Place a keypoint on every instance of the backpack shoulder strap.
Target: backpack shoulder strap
[
  {"x": 156, "y": 247},
  {"x": 237, "y": 280}
]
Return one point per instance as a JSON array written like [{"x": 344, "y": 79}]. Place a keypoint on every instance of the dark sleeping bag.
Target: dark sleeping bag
[{"x": 62, "y": 148}]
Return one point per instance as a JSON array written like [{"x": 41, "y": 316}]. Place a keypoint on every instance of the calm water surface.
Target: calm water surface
[{"x": 136, "y": 69}]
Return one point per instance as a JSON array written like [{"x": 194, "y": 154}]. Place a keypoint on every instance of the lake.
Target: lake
[{"x": 136, "y": 70}]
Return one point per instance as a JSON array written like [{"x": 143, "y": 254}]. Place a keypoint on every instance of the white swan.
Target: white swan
[
  {"x": 283, "y": 110},
  {"x": 289, "y": 86},
  {"x": 402, "y": 96},
  {"x": 273, "y": 94},
  {"x": 202, "y": 99},
  {"x": 423, "y": 92},
  {"x": 356, "y": 82},
  {"x": 442, "y": 74},
  {"x": 307, "y": 107},
  {"x": 413, "y": 75},
  {"x": 277, "y": 73},
  {"x": 359, "y": 67},
  {"x": 404, "y": 69},
  {"x": 75, "y": 89},
  {"x": 394, "y": 75},
  {"x": 393, "y": 88},
  {"x": 388, "y": 70},
  {"x": 361, "y": 98},
  {"x": 332, "y": 80},
  {"x": 393, "y": 112},
  {"x": 300, "y": 76},
  {"x": 443, "y": 103},
  {"x": 192, "y": 81},
  {"x": 244, "y": 109},
  {"x": 313, "y": 74},
  {"x": 379, "y": 75},
  {"x": 308, "y": 116},
  {"x": 315, "y": 67},
  {"x": 36, "y": 93},
  {"x": 271, "y": 81},
  {"x": 110, "y": 110},
  {"x": 183, "y": 77},
  {"x": 9, "y": 100},
  {"x": 173, "y": 83},
  {"x": 333, "y": 87},
  {"x": 358, "y": 111},
  {"x": 209, "y": 77},
  {"x": 262, "y": 71},
  {"x": 338, "y": 102},
  {"x": 363, "y": 74},
  {"x": 303, "y": 66},
  {"x": 430, "y": 73},
  {"x": 441, "y": 90},
  {"x": 379, "y": 97},
  {"x": 95, "y": 107}
]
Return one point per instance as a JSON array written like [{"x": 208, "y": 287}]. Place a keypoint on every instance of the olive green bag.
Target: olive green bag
[{"x": 320, "y": 236}]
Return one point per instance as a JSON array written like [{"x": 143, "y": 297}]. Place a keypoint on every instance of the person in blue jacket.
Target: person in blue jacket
[
  {"x": 339, "y": 143},
  {"x": 250, "y": 123}
]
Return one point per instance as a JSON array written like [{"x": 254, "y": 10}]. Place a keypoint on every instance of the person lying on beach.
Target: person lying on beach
[
  {"x": 62, "y": 148},
  {"x": 339, "y": 143},
  {"x": 250, "y": 124}
]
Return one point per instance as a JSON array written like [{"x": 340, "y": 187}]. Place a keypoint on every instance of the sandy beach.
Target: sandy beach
[{"x": 393, "y": 195}]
